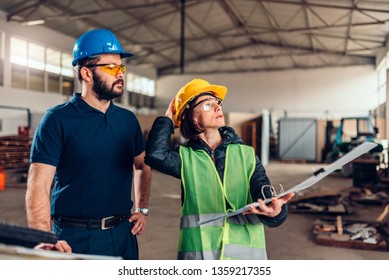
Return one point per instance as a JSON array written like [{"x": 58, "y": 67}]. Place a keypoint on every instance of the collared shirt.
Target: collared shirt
[{"x": 94, "y": 155}]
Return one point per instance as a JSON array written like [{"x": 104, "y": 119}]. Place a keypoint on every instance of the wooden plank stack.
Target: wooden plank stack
[
  {"x": 15, "y": 151},
  {"x": 14, "y": 159}
]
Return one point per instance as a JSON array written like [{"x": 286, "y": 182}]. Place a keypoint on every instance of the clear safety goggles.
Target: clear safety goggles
[
  {"x": 111, "y": 69},
  {"x": 209, "y": 104}
]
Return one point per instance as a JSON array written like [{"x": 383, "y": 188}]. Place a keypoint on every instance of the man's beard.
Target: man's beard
[{"x": 102, "y": 91}]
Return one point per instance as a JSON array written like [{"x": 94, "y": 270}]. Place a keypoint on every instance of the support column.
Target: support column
[
  {"x": 387, "y": 105},
  {"x": 265, "y": 146}
]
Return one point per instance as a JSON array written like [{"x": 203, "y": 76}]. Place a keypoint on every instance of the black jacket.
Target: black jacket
[{"x": 160, "y": 156}]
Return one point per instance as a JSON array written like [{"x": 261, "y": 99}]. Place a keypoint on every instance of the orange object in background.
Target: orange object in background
[
  {"x": 24, "y": 130},
  {"x": 2, "y": 179}
]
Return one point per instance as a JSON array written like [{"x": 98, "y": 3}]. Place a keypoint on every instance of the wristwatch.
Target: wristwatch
[{"x": 143, "y": 211}]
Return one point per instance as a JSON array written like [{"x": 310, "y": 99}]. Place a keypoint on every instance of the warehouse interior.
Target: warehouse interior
[{"x": 307, "y": 81}]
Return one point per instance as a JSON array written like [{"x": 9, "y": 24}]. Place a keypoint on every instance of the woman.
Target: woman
[{"x": 219, "y": 174}]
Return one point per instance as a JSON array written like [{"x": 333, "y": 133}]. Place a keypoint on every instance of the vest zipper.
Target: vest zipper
[{"x": 212, "y": 152}]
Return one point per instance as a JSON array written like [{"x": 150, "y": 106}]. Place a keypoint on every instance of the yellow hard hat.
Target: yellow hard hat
[{"x": 190, "y": 91}]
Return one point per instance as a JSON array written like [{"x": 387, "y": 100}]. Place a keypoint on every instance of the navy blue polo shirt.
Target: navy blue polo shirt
[{"x": 93, "y": 154}]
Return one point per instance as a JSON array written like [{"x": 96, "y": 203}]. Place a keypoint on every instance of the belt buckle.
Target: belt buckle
[{"x": 103, "y": 220}]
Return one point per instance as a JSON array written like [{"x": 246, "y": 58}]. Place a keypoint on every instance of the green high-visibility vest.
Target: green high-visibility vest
[{"x": 237, "y": 237}]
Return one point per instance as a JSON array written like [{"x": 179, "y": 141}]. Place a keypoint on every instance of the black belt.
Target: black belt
[{"x": 104, "y": 223}]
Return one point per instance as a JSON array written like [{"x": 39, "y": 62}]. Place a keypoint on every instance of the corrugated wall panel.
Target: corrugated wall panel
[{"x": 297, "y": 138}]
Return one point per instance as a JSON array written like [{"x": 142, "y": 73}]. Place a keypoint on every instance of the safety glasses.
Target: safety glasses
[
  {"x": 209, "y": 104},
  {"x": 111, "y": 69}
]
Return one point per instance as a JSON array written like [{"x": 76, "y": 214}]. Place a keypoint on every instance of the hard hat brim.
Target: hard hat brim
[
  {"x": 219, "y": 91},
  {"x": 122, "y": 55}
]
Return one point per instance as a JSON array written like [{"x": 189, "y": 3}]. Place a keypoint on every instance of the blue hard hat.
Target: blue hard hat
[{"x": 95, "y": 42}]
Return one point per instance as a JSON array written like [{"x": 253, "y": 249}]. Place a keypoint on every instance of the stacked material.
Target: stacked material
[{"x": 14, "y": 151}]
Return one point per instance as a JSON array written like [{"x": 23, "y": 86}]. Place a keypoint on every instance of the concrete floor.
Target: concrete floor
[{"x": 293, "y": 240}]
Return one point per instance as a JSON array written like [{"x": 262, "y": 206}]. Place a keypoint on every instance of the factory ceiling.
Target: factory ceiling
[{"x": 224, "y": 36}]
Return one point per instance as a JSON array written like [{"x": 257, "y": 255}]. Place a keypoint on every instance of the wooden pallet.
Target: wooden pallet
[
  {"x": 325, "y": 234},
  {"x": 15, "y": 151},
  {"x": 325, "y": 239}
]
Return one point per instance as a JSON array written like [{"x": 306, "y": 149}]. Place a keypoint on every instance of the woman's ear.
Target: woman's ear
[{"x": 195, "y": 121}]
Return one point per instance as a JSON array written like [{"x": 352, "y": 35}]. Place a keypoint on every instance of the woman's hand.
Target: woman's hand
[
  {"x": 171, "y": 110},
  {"x": 271, "y": 209}
]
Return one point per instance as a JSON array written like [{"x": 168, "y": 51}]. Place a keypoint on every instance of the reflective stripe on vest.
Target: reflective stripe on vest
[
  {"x": 238, "y": 237},
  {"x": 244, "y": 253},
  {"x": 231, "y": 251},
  {"x": 207, "y": 255},
  {"x": 192, "y": 220}
]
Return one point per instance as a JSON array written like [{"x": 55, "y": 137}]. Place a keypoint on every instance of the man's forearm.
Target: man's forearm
[
  {"x": 142, "y": 183},
  {"x": 38, "y": 208},
  {"x": 40, "y": 178}
]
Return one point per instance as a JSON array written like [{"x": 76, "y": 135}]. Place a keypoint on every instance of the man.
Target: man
[{"x": 93, "y": 150}]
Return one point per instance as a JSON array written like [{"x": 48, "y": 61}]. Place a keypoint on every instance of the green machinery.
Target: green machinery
[{"x": 351, "y": 132}]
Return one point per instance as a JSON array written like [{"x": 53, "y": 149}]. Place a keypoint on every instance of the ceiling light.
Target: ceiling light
[{"x": 33, "y": 22}]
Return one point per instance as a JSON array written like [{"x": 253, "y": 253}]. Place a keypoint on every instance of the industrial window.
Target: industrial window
[
  {"x": 40, "y": 68},
  {"x": 53, "y": 69},
  {"x": 67, "y": 68},
  {"x": 53, "y": 82},
  {"x": 19, "y": 76},
  {"x": 67, "y": 86},
  {"x": 19, "y": 63},
  {"x": 36, "y": 80},
  {"x": 67, "y": 74},
  {"x": 36, "y": 64},
  {"x": 141, "y": 90}
]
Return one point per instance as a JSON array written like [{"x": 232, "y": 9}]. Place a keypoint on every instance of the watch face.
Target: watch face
[{"x": 144, "y": 211}]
